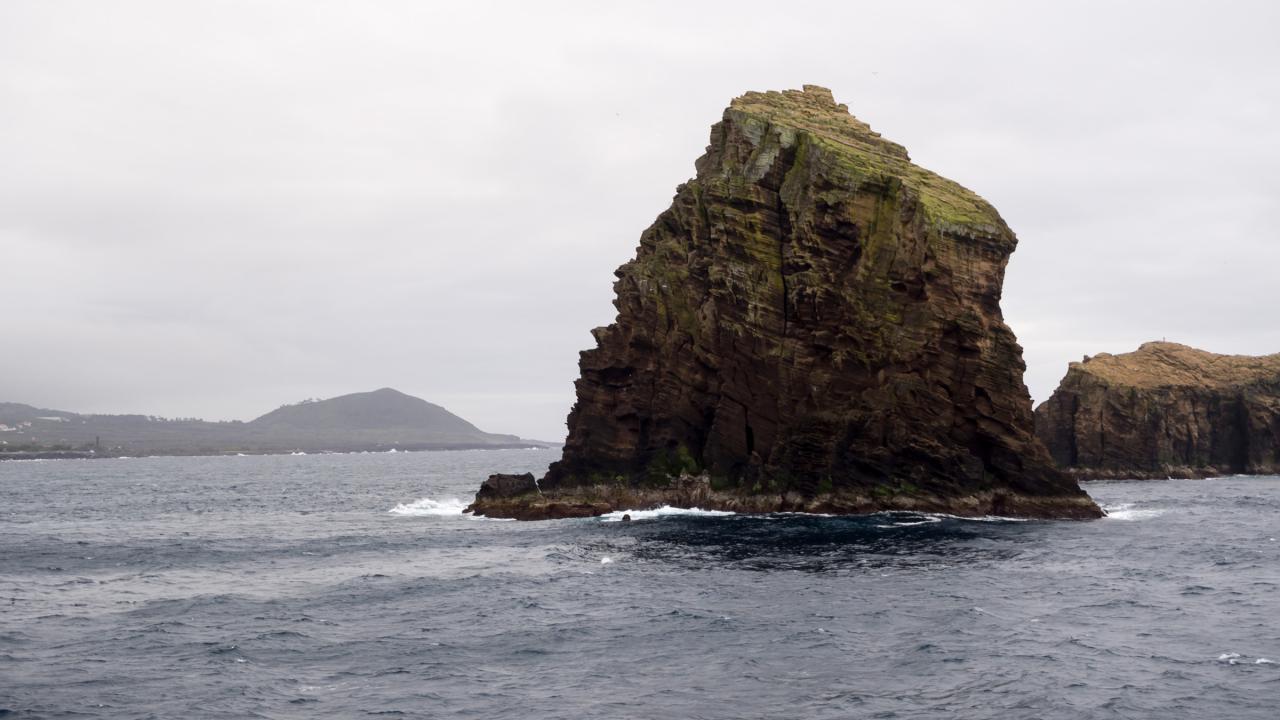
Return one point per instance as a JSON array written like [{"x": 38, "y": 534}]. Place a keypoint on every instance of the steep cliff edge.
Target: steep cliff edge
[
  {"x": 814, "y": 324},
  {"x": 1165, "y": 410}
]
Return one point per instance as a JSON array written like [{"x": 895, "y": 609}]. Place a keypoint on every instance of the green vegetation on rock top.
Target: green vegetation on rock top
[
  {"x": 862, "y": 152},
  {"x": 1168, "y": 364}
]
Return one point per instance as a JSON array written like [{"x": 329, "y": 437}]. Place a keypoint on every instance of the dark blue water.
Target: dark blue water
[{"x": 282, "y": 587}]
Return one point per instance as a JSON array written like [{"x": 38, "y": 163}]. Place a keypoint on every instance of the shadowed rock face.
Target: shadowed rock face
[
  {"x": 814, "y": 324},
  {"x": 1165, "y": 410}
]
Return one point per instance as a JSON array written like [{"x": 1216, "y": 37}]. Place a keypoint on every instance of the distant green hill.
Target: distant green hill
[
  {"x": 378, "y": 420},
  {"x": 14, "y": 413},
  {"x": 383, "y": 409},
  {"x": 382, "y": 418}
]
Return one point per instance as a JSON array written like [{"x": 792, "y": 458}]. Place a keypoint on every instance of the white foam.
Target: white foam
[
  {"x": 664, "y": 511},
  {"x": 1126, "y": 511},
  {"x": 928, "y": 520},
  {"x": 430, "y": 507},
  {"x": 1231, "y": 658},
  {"x": 605, "y": 560},
  {"x": 979, "y": 518}
]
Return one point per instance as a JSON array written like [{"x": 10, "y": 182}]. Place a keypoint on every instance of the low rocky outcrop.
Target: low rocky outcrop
[
  {"x": 1165, "y": 410},
  {"x": 814, "y": 324},
  {"x": 502, "y": 485},
  {"x": 502, "y": 489}
]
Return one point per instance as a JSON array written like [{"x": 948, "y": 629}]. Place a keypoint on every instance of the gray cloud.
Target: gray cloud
[{"x": 214, "y": 208}]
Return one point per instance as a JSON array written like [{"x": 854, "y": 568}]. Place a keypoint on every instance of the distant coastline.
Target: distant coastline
[
  {"x": 21, "y": 455},
  {"x": 379, "y": 421}
]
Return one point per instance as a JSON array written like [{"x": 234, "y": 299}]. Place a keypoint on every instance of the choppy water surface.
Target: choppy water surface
[{"x": 350, "y": 586}]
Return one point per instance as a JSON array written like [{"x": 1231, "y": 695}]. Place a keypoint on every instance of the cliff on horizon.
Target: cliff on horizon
[
  {"x": 814, "y": 324},
  {"x": 1165, "y": 410},
  {"x": 378, "y": 420}
]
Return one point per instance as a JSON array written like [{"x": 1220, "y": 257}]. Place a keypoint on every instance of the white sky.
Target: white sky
[{"x": 213, "y": 208}]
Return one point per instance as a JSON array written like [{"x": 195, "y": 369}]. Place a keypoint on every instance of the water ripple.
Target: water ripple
[{"x": 352, "y": 586}]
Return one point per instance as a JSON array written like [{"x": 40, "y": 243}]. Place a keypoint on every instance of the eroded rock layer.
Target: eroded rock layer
[
  {"x": 814, "y": 324},
  {"x": 1165, "y": 410}
]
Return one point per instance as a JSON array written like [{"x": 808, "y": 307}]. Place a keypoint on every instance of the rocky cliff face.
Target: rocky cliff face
[
  {"x": 1166, "y": 410},
  {"x": 814, "y": 324}
]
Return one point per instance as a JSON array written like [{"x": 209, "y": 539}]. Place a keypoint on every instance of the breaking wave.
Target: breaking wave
[
  {"x": 430, "y": 507},
  {"x": 1126, "y": 511},
  {"x": 664, "y": 511}
]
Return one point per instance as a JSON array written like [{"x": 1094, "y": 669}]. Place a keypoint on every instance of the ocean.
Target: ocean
[{"x": 351, "y": 586}]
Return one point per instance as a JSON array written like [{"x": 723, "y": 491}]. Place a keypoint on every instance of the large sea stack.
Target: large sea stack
[
  {"x": 813, "y": 325},
  {"x": 1165, "y": 410}
]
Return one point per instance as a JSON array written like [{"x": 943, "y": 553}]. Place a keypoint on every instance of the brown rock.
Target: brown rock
[
  {"x": 814, "y": 324},
  {"x": 1165, "y": 410},
  {"x": 500, "y": 485}
]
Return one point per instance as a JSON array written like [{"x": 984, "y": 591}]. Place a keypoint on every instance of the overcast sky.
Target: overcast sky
[{"x": 213, "y": 208}]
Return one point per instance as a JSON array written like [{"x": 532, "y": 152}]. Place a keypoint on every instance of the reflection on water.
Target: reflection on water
[{"x": 826, "y": 544}]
